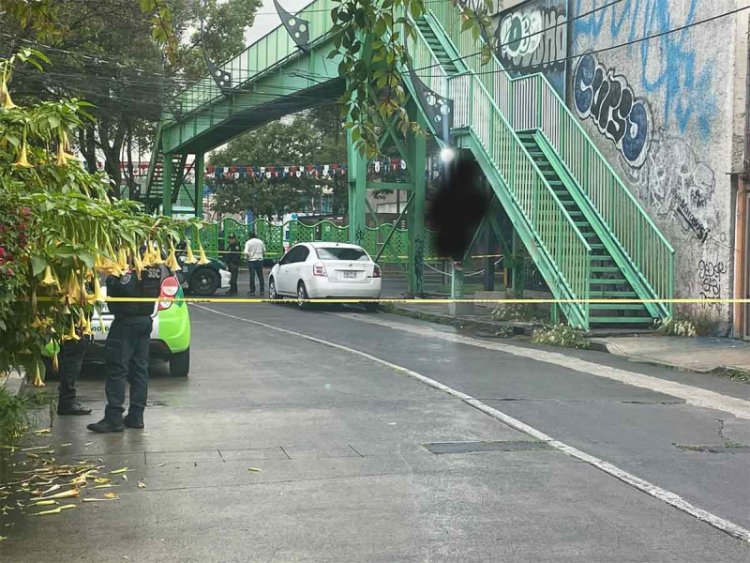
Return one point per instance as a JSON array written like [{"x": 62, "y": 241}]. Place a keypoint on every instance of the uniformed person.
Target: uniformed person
[
  {"x": 127, "y": 348},
  {"x": 70, "y": 359},
  {"x": 232, "y": 258}
]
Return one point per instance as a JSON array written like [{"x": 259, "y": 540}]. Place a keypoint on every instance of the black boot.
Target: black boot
[
  {"x": 134, "y": 419},
  {"x": 106, "y": 425},
  {"x": 72, "y": 409}
]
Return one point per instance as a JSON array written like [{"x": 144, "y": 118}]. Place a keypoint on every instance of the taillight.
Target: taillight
[
  {"x": 169, "y": 288},
  {"x": 376, "y": 273},
  {"x": 319, "y": 269}
]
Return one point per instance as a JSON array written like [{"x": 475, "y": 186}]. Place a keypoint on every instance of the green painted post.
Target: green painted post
[
  {"x": 357, "y": 191},
  {"x": 199, "y": 179},
  {"x": 167, "y": 184},
  {"x": 417, "y": 147},
  {"x": 517, "y": 275},
  {"x": 457, "y": 280}
]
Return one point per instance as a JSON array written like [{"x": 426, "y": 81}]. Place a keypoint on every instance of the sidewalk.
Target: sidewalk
[{"x": 697, "y": 354}]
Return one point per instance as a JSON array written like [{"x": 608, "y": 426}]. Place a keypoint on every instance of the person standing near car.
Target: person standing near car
[
  {"x": 232, "y": 259},
  {"x": 255, "y": 249},
  {"x": 70, "y": 362},
  {"x": 127, "y": 348}
]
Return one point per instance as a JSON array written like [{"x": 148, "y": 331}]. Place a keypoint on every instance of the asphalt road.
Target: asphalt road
[{"x": 342, "y": 413}]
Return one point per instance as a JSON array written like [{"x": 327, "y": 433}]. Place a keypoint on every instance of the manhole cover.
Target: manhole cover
[{"x": 494, "y": 446}]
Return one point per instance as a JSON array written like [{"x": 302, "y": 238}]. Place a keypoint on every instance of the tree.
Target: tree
[
  {"x": 105, "y": 52},
  {"x": 58, "y": 228},
  {"x": 307, "y": 139},
  {"x": 369, "y": 36}
]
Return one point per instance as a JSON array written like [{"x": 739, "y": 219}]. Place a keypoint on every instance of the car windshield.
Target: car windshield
[{"x": 342, "y": 253}]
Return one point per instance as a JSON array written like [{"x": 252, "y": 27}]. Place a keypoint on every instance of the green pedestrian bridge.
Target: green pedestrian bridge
[{"x": 591, "y": 241}]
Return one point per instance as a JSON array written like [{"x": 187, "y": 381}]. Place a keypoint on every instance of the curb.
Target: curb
[{"x": 494, "y": 327}]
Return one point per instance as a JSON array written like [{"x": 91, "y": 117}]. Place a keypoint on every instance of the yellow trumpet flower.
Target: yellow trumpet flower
[
  {"x": 55, "y": 364},
  {"x": 202, "y": 253},
  {"x": 61, "y": 159},
  {"x": 22, "y": 161},
  {"x": 97, "y": 288},
  {"x": 87, "y": 327},
  {"x": 122, "y": 260},
  {"x": 156, "y": 257},
  {"x": 7, "y": 102},
  {"x": 190, "y": 259},
  {"x": 171, "y": 262},
  {"x": 37, "y": 382},
  {"x": 49, "y": 279},
  {"x": 71, "y": 335}
]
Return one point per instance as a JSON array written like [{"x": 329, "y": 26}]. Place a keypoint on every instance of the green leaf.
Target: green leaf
[{"x": 38, "y": 264}]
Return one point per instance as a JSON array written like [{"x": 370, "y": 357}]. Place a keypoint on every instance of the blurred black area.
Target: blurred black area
[{"x": 457, "y": 207}]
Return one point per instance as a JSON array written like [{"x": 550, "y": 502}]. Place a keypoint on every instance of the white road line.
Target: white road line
[
  {"x": 691, "y": 395},
  {"x": 642, "y": 485}
]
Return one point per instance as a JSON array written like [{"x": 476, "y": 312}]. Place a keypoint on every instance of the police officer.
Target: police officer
[
  {"x": 70, "y": 359},
  {"x": 232, "y": 259},
  {"x": 127, "y": 348}
]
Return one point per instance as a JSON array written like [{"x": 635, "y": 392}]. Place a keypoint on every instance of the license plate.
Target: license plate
[{"x": 350, "y": 275}]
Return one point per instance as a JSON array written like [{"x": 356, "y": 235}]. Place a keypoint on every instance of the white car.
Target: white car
[{"x": 326, "y": 270}]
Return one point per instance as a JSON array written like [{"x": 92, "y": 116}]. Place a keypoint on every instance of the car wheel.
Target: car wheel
[
  {"x": 205, "y": 281},
  {"x": 179, "y": 364},
  {"x": 302, "y": 296},
  {"x": 272, "y": 293}
]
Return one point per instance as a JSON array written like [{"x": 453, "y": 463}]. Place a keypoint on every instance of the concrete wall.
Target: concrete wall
[{"x": 663, "y": 113}]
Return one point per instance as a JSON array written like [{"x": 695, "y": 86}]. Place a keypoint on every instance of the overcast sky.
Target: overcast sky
[{"x": 266, "y": 18}]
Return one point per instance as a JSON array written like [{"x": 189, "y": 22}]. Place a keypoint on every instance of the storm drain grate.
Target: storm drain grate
[{"x": 439, "y": 448}]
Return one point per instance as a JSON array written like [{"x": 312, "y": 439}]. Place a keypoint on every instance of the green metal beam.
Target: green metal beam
[
  {"x": 417, "y": 160},
  {"x": 395, "y": 227},
  {"x": 200, "y": 161},
  {"x": 167, "y": 183},
  {"x": 357, "y": 190}
]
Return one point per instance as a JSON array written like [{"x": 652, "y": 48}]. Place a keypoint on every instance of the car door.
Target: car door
[{"x": 285, "y": 281}]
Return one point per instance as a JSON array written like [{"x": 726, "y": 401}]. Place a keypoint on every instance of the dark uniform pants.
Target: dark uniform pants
[
  {"x": 70, "y": 360},
  {"x": 256, "y": 269},
  {"x": 234, "y": 269},
  {"x": 127, "y": 362}
]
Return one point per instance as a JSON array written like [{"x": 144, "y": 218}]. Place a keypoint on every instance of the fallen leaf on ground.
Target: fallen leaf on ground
[
  {"x": 57, "y": 510},
  {"x": 66, "y": 445},
  {"x": 65, "y": 494},
  {"x": 44, "y": 503},
  {"x": 35, "y": 448},
  {"x": 118, "y": 471},
  {"x": 52, "y": 489},
  {"x": 102, "y": 480},
  {"x": 141, "y": 485},
  {"x": 111, "y": 495},
  {"x": 124, "y": 477},
  {"x": 88, "y": 444},
  {"x": 161, "y": 465},
  {"x": 94, "y": 499},
  {"x": 43, "y": 431},
  {"x": 254, "y": 469},
  {"x": 105, "y": 486}
]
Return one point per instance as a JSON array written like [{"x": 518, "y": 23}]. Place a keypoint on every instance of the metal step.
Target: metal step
[
  {"x": 621, "y": 320},
  {"x": 616, "y": 307}
]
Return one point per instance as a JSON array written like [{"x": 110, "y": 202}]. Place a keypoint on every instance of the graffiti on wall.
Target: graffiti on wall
[
  {"x": 677, "y": 184},
  {"x": 533, "y": 38},
  {"x": 608, "y": 99},
  {"x": 710, "y": 278},
  {"x": 668, "y": 63}
]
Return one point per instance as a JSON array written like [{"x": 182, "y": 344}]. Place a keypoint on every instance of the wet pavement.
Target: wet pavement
[{"x": 282, "y": 448}]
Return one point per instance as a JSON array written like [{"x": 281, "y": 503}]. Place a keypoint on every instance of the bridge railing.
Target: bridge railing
[
  {"x": 267, "y": 52},
  {"x": 278, "y": 237},
  {"x": 530, "y": 102}
]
